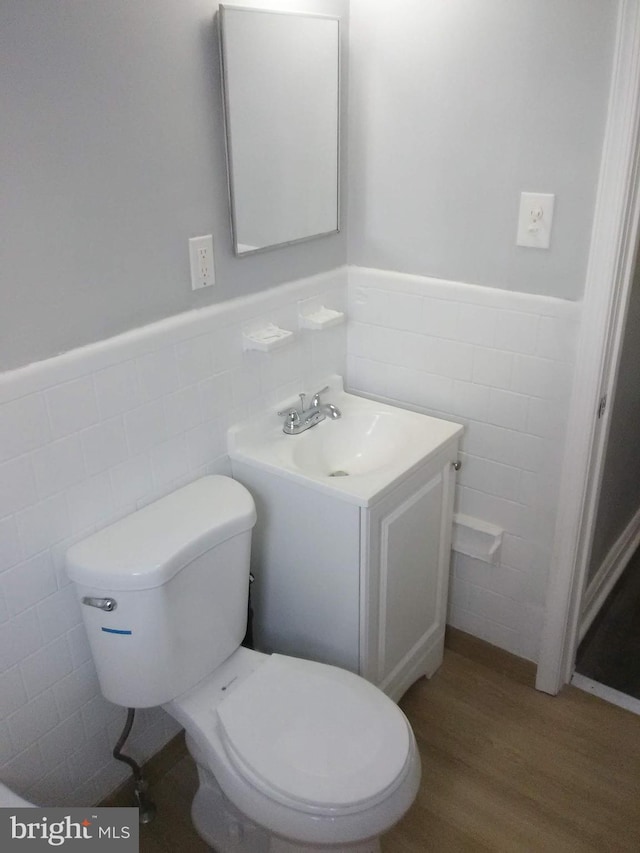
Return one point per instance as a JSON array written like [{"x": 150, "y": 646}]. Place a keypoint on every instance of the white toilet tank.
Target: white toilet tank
[{"x": 164, "y": 591}]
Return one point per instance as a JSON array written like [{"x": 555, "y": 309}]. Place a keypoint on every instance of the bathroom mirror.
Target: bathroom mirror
[{"x": 280, "y": 75}]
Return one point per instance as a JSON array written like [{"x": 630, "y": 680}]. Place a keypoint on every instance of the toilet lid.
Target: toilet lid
[{"x": 314, "y": 734}]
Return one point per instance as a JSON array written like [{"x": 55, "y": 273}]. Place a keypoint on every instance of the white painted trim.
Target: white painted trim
[
  {"x": 615, "y": 697},
  {"x": 609, "y": 573},
  {"x": 607, "y": 287}
]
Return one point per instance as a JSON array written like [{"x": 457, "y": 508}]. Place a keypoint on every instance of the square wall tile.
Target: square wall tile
[
  {"x": 440, "y": 317},
  {"x": 72, "y": 406},
  {"x": 90, "y": 503},
  {"x": 46, "y": 667},
  {"x": 58, "y": 465},
  {"x": 557, "y": 338},
  {"x": 493, "y": 367},
  {"x": 17, "y": 485},
  {"x": 469, "y": 400},
  {"x": 157, "y": 374},
  {"x": 61, "y": 740},
  {"x": 33, "y": 720},
  {"x": 76, "y": 689},
  {"x": 477, "y": 325},
  {"x": 19, "y": 638},
  {"x": 10, "y": 548},
  {"x": 454, "y": 359},
  {"x": 24, "y": 425},
  {"x": 59, "y": 613},
  {"x": 117, "y": 389},
  {"x": 516, "y": 332},
  {"x": 7, "y": 751},
  {"x": 170, "y": 460},
  {"x": 29, "y": 582},
  {"x": 20, "y": 772},
  {"x": 183, "y": 410},
  {"x": 12, "y": 692},
  {"x": 145, "y": 426},
  {"x": 131, "y": 480},
  {"x": 104, "y": 445},
  {"x": 507, "y": 409},
  {"x": 79, "y": 645},
  {"x": 194, "y": 359}
]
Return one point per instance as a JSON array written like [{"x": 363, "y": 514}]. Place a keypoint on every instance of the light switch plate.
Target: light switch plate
[{"x": 535, "y": 220}]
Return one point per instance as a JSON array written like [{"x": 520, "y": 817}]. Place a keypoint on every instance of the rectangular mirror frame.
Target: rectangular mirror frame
[{"x": 228, "y": 142}]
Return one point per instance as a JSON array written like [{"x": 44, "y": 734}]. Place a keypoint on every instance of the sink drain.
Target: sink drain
[{"x": 339, "y": 474}]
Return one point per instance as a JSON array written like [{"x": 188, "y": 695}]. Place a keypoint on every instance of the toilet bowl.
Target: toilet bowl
[
  {"x": 10, "y": 800},
  {"x": 292, "y": 755},
  {"x": 303, "y": 750}
]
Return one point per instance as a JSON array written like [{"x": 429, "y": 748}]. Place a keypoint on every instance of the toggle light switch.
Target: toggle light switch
[{"x": 535, "y": 219}]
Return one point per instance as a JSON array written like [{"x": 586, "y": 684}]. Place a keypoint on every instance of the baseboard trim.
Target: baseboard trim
[{"x": 479, "y": 651}]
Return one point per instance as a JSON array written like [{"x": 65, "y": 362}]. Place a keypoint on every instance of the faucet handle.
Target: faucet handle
[
  {"x": 292, "y": 415},
  {"x": 291, "y": 421},
  {"x": 316, "y": 397}
]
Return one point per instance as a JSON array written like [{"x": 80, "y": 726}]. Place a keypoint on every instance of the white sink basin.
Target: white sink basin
[
  {"x": 359, "y": 443},
  {"x": 358, "y": 456}
]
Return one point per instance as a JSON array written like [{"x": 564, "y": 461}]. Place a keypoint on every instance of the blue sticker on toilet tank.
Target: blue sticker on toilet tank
[{"x": 115, "y": 631}]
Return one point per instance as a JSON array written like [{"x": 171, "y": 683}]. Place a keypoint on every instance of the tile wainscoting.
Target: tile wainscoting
[
  {"x": 90, "y": 435},
  {"x": 86, "y": 438},
  {"x": 501, "y": 363}
]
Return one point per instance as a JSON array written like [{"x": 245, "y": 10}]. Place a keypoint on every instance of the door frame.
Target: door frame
[{"x": 607, "y": 288}]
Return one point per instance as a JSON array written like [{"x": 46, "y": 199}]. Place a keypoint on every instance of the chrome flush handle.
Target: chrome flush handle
[{"x": 107, "y": 604}]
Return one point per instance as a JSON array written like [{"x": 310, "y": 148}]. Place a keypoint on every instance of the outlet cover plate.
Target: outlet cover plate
[{"x": 201, "y": 262}]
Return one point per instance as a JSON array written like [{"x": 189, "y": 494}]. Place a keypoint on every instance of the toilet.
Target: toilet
[{"x": 292, "y": 755}]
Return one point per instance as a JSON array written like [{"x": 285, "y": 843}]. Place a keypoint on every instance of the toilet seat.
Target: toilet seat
[
  {"x": 268, "y": 801},
  {"x": 315, "y": 737}
]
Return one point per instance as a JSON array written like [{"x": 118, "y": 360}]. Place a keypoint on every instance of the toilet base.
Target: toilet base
[{"x": 219, "y": 823}]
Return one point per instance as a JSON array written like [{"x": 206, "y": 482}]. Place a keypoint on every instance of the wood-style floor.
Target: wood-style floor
[{"x": 504, "y": 768}]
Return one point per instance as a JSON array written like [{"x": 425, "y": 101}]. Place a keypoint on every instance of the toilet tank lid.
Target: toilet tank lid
[{"x": 150, "y": 546}]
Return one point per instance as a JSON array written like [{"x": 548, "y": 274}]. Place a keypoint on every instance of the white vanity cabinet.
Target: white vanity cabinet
[
  {"x": 404, "y": 575},
  {"x": 362, "y": 585}
]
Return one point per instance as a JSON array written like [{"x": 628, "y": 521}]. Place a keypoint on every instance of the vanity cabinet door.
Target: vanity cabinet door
[{"x": 409, "y": 542}]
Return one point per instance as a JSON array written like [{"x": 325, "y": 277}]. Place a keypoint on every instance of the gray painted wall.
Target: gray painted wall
[
  {"x": 113, "y": 154},
  {"x": 457, "y": 107},
  {"x": 620, "y": 491},
  {"x": 112, "y": 157}
]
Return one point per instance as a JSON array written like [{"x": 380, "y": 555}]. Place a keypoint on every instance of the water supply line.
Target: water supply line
[{"x": 146, "y": 807}]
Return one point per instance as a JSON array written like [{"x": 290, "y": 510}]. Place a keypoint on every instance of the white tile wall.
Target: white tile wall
[
  {"x": 500, "y": 363},
  {"x": 84, "y": 439},
  {"x": 90, "y": 435}
]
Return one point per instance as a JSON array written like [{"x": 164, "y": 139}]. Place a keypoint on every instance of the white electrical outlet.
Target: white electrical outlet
[
  {"x": 201, "y": 261},
  {"x": 534, "y": 220}
]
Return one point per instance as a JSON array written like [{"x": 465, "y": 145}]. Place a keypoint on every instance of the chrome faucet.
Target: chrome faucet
[
  {"x": 296, "y": 421},
  {"x": 328, "y": 409}
]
